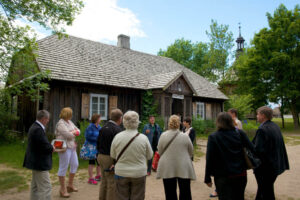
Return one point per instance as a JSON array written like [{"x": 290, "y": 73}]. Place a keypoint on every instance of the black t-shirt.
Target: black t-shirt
[{"x": 192, "y": 134}]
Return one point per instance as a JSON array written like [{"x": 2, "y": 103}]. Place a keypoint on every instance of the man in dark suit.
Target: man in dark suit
[
  {"x": 38, "y": 157},
  {"x": 105, "y": 138},
  {"x": 270, "y": 148}
]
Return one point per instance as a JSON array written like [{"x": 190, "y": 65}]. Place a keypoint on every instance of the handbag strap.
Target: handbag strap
[
  {"x": 126, "y": 146},
  {"x": 169, "y": 144}
]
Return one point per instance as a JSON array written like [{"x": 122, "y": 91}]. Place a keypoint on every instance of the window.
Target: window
[
  {"x": 98, "y": 105},
  {"x": 200, "y": 110}
]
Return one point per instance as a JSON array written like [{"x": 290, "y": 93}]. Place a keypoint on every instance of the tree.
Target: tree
[
  {"x": 49, "y": 14},
  {"x": 209, "y": 60},
  {"x": 18, "y": 46},
  {"x": 272, "y": 70},
  {"x": 182, "y": 51},
  {"x": 191, "y": 55},
  {"x": 220, "y": 45},
  {"x": 243, "y": 104}
]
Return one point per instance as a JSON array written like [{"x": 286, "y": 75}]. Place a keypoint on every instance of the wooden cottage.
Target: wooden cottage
[{"x": 92, "y": 77}]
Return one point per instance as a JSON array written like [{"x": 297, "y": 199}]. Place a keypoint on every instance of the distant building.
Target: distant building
[{"x": 276, "y": 112}]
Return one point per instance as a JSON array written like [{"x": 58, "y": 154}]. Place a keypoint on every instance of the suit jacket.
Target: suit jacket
[
  {"x": 39, "y": 151},
  {"x": 270, "y": 148}
]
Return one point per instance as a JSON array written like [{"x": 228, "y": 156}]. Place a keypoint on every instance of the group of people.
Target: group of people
[
  {"x": 123, "y": 157},
  {"x": 227, "y": 151}
]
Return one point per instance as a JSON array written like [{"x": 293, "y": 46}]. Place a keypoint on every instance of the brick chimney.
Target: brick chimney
[{"x": 124, "y": 41}]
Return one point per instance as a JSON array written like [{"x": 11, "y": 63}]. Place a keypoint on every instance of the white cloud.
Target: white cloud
[
  {"x": 35, "y": 30},
  {"x": 104, "y": 20}
]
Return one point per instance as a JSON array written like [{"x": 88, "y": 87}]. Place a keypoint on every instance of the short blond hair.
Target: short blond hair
[
  {"x": 66, "y": 113},
  {"x": 131, "y": 120},
  {"x": 174, "y": 122}
]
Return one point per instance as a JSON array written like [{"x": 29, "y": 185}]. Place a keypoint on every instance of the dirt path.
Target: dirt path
[{"x": 286, "y": 187}]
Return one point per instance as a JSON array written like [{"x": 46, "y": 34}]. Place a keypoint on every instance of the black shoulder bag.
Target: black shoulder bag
[{"x": 251, "y": 161}]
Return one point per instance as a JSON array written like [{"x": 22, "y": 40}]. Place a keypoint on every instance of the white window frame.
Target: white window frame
[
  {"x": 198, "y": 112},
  {"x": 105, "y": 96}
]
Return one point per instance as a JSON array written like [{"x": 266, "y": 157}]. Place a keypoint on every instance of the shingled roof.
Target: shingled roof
[{"x": 80, "y": 60}]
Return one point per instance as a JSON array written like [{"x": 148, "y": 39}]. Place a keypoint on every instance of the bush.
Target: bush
[
  {"x": 7, "y": 118},
  {"x": 240, "y": 102},
  {"x": 250, "y": 128},
  {"x": 81, "y": 138},
  {"x": 203, "y": 126}
]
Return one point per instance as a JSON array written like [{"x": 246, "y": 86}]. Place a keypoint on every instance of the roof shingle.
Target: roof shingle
[{"x": 81, "y": 60}]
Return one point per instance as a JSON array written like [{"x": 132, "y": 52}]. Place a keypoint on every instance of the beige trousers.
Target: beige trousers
[
  {"x": 40, "y": 185},
  {"x": 107, "y": 186}
]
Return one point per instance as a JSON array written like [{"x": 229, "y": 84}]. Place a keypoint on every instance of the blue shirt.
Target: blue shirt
[{"x": 92, "y": 133}]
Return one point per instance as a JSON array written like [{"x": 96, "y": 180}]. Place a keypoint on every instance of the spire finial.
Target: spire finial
[{"x": 240, "y": 29}]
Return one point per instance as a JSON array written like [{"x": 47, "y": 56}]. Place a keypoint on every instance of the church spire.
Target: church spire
[{"x": 240, "y": 41}]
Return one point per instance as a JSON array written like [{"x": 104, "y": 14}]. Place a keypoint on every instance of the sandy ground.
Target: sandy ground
[{"x": 287, "y": 186}]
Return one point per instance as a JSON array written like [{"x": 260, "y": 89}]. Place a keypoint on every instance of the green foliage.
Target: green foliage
[
  {"x": 49, "y": 14},
  {"x": 81, "y": 138},
  {"x": 272, "y": 69},
  {"x": 209, "y": 60},
  {"x": 18, "y": 44},
  {"x": 250, "y": 128},
  {"x": 148, "y": 105},
  {"x": 243, "y": 104},
  {"x": 221, "y": 43},
  {"x": 181, "y": 51},
  {"x": 203, "y": 126},
  {"x": 6, "y": 116},
  {"x": 161, "y": 122}
]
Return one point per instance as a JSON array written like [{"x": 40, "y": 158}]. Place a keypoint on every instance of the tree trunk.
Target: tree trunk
[
  {"x": 282, "y": 119},
  {"x": 281, "y": 108},
  {"x": 295, "y": 114}
]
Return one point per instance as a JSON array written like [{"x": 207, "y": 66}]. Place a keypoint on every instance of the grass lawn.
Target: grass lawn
[
  {"x": 289, "y": 126},
  {"x": 12, "y": 179},
  {"x": 12, "y": 155},
  {"x": 11, "y": 162}
]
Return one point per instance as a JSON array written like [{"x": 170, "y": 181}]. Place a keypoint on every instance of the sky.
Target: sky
[{"x": 155, "y": 24}]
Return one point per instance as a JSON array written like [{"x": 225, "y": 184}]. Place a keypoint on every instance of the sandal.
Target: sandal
[
  {"x": 64, "y": 195},
  {"x": 72, "y": 189}
]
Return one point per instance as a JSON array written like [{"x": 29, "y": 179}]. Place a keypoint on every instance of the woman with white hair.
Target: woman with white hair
[
  {"x": 175, "y": 165},
  {"x": 131, "y": 151}
]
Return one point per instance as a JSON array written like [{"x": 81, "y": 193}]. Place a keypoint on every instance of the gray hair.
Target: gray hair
[
  {"x": 131, "y": 120},
  {"x": 42, "y": 114}
]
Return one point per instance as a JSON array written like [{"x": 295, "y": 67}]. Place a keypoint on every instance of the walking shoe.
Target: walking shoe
[
  {"x": 92, "y": 181},
  {"x": 98, "y": 178},
  {"x": 148, "y": 173}
]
